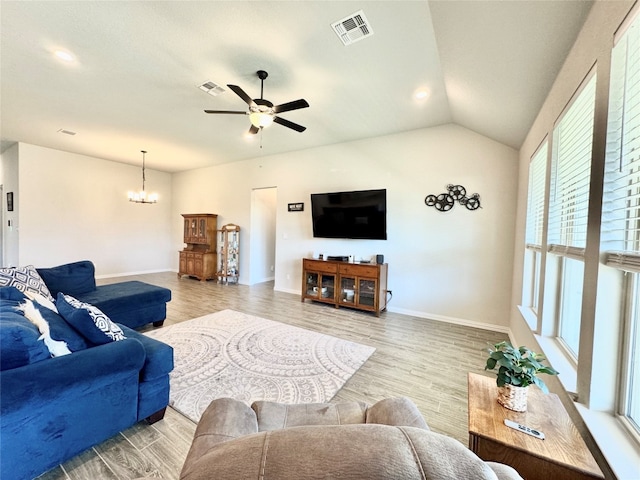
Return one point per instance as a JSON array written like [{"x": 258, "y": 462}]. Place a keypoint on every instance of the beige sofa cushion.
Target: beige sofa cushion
[{"x": 372, "y": 452}]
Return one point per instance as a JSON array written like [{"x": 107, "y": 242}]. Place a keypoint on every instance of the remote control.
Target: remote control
[{"x": 524, "y": 429}]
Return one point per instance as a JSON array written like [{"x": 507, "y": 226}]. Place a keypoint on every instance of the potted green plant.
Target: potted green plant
[{"x": 517, "y": 369}]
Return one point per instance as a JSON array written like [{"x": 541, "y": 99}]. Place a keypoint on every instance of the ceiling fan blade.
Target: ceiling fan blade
[
  {"x": 295, "y": 105},
  {"x": 253, "y": 130},
  {"x": 287, "y": 123},
  {"x": 241, "y": 93},
  {"x": 236, "y": 112}
]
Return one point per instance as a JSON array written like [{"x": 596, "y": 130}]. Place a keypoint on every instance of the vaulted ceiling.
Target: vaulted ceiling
[{"x": 133, "y": 81}]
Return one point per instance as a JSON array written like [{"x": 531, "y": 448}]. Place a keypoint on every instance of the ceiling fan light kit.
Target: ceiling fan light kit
[{"x": 262, "y": 112}]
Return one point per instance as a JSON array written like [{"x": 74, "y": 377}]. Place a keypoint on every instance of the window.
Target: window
[
  {"x": 621, "y": 203},
  {"x": 571, "y": 304},
  {"x": 568, "y": 208},
  {"x": 630, "y": 398},
  {"x": 534, "y": 228}
]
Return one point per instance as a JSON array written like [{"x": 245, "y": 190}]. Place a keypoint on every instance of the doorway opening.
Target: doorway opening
[{"x": 262, "y": 258}]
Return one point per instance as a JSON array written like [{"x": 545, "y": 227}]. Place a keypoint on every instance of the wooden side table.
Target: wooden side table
[{"x": 562, "y": 454}]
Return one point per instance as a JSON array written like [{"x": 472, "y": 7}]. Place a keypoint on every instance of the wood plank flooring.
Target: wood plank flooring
[{"x": 424, "y": 360}]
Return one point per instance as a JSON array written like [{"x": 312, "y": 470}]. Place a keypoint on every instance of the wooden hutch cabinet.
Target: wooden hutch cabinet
[
  {"x": 356, "y": 285},
  {"x": 198, "y": 259}
]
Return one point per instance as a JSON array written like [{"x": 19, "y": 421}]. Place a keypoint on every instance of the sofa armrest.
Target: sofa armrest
[
  {"x": 224, "y": 419},
  {"x": 91, "y": 368},
  {"x": 159, "y": 356},
  {"x": 504, "y": 472},
  {"x": 398, "y": 411}
]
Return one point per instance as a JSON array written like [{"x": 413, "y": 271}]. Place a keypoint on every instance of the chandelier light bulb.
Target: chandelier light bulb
[{"x": 141, "y": 196}]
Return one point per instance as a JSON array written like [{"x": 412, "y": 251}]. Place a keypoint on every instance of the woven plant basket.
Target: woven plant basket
[{"x": 513, "y": 398}]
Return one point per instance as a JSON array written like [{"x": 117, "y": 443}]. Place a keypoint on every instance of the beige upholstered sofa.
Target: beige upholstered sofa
[{"x": 272, "y": 441}]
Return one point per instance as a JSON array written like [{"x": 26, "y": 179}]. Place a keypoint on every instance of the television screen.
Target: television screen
[{"x": 360, "y": 214}]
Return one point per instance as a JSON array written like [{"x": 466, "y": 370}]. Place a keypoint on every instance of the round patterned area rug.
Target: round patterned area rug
[{"x": 232, "y": 354}]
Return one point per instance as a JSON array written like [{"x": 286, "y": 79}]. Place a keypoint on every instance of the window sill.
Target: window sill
[
  {"x": 616, "y": 444},
  {"x": 620, "y": 450},
  {"x": 558, "y": 360},
  {"x": 529, "y": 317}
]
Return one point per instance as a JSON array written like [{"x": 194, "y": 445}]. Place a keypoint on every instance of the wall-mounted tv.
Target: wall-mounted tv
[{"x": 361, "y": 214}]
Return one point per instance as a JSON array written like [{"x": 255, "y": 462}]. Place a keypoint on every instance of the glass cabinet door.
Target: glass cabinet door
[
  {"x": 366, "y": 292},
  {"x": 328, "y": 287},
  {"x": 347, "y": 290},
  {"x": 312, "y": 283},
  {"x": 320, "y": 285},
  {"x": 194, "y": 229},
  {"x": 202, "y": 231}
]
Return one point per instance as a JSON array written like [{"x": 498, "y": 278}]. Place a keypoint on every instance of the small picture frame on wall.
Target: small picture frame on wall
[
  {"x": 9, "y": 201},
  {"x": 296, "y": 207}
]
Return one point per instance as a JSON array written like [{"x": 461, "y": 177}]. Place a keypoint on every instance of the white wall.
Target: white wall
[
  {"x": 10, "y": 183},
  {"x": 454, "y": 266},
  {"x": 74, "y": 207}
]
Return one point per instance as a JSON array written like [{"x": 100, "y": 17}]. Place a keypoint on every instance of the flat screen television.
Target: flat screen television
[{"x": 360, "y": 214}]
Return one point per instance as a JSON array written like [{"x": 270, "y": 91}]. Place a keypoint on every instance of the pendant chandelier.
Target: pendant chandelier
[{"x": 141, "y": 196}]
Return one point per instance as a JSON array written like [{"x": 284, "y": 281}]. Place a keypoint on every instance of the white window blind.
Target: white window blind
[
  {"x": 621, "y": 199},
  {"x": 535, "y": 200},
  {"x": 571, "y": 168}
]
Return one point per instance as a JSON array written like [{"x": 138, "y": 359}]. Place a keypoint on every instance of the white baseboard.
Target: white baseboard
[
  {"x": 127, "y": 274},
  {"x": 457, "y": 321},
  {"x": 267, "y": 279},
  {"x": 439, "y": 318}
]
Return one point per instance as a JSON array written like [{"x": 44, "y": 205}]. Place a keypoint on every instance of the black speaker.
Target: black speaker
[{"x": 379, "y": 259}]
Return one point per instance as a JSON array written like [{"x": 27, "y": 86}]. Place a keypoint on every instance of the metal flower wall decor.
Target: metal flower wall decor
[{"x": 455, "y": 193}]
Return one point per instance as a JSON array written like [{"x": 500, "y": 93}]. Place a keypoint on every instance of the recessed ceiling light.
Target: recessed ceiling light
[
  {"x": 421, "y": 94},
  {"x": 64, "y": 55}
]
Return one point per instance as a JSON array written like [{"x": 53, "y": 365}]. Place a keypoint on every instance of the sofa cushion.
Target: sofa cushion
[
  {"x": 274, "y": 415},
  {"x": 88, "y": 320},
  {"x": 72, "y": 278},
  {"x": 122, "y": 297},
  {"x": 19, "y": 341},
  {"x": 24, "y": 279},
  {"x": 11, "y": 297},
  {"x": 61, "y": 330},
  {"x": 19, "y": 338}
]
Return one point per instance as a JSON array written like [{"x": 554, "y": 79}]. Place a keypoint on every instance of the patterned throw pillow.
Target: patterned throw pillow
[
  {"x": 25, "y": 279},
  {"x": 88, "y": 320}
]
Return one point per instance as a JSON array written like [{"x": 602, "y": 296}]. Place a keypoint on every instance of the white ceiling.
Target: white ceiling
[{"x": 487, "y": 65}]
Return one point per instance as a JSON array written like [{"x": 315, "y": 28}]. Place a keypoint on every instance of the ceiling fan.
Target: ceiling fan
[{"x": 263, "y": 113}]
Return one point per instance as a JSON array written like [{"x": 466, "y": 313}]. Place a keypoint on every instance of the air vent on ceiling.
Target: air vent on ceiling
[
  {"x": 211, "y": 88},
  {"x": 353, "y": 28},
  {"x": 66, "y": 132}
]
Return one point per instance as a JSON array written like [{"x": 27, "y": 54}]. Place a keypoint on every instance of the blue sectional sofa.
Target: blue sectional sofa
[
  {"x": 53, "y": 408},
  {"x": 133, "y": 304}
]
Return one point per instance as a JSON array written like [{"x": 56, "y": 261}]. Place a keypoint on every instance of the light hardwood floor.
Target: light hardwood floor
[{"x": 424, "y": 360}]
